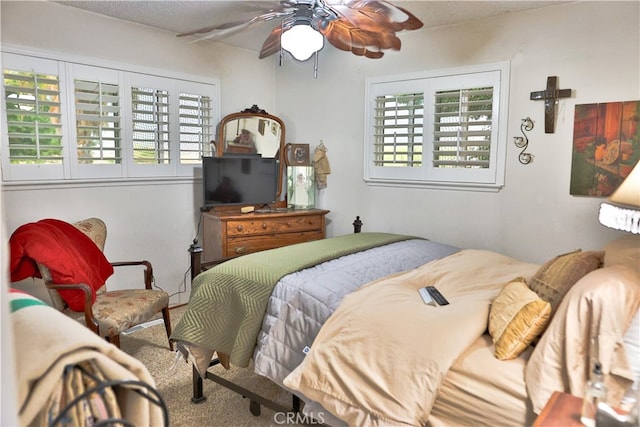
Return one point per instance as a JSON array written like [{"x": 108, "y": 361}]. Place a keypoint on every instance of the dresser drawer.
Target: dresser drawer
[
  {"x": 228, "y": 234},
  {"x": 259, "y": 225},
  {"x": 243, "y": 245}
]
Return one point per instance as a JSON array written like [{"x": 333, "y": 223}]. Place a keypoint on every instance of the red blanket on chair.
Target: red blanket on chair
[{"x": 70, "y": 255}]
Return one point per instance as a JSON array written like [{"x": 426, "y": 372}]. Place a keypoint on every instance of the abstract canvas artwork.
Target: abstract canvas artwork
[{"x": 606, "y": 146}]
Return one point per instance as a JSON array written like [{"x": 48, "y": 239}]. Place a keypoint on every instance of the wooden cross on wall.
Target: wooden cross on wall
[{"x": 550, "y": 96}]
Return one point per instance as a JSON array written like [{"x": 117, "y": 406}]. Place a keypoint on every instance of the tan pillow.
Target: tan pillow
[
  {"x": 554, "y": 279},
  {"x": 516, "y": 318}
]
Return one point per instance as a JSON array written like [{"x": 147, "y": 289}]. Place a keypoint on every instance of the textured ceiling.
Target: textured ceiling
[{"x": 183, "y": 16}]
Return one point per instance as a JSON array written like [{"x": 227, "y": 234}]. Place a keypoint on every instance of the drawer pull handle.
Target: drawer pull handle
[
  {"x": 240, "y": 250},
  {"x": 264, "y": 226},
  {"x": 239, "y": 228}
]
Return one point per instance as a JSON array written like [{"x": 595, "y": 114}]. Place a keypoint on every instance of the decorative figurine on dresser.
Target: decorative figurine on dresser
[{"x": 300, "y": 177}]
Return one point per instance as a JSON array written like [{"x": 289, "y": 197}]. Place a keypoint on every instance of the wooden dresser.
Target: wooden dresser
[{"x": 232, "y": 233}]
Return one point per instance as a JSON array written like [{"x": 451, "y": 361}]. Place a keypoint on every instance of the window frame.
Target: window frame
[
  {"x": 68, "y": 68},
  {"x": 428, "y": 82},
  {"x": 94, "y": 74}
]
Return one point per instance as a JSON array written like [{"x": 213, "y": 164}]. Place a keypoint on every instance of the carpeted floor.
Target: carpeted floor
[{"x": 222, "y": 407}]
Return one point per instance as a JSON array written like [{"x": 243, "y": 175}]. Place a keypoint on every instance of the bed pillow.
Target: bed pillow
[
  {"x": 554, "y": 279},
  {"x": 602, "y": 304},
  {"x": 516, "y": 318}
]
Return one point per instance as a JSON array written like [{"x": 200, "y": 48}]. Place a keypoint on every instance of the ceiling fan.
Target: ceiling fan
[{"x": 363, "y": 27}]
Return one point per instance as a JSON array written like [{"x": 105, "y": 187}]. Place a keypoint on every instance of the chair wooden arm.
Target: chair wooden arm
[
  {"x": 148, "y": 270},
  {"x": 89, "y": 318}
]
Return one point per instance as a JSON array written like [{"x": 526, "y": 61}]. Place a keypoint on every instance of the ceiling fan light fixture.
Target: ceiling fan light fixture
[{"x": 302, "y": 40}]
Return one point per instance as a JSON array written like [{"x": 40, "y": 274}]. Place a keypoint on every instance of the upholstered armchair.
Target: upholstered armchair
[{"x": 112, "y": 312}]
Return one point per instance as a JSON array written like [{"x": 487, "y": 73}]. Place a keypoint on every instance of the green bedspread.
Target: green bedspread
[{"x": 228, "y": 302}]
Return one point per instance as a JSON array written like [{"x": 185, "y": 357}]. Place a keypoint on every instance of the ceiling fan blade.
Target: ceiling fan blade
[
  {"x": 368, "y": 19},
  {"x": 379, "y": 40},
  {"x": 374, "y": 54},
  {"x": 344, "y": 36},
  {"x": 365, "y": 13},
  {"x": 413, "y": 23},
  {"x": 211, "y": 28},
  {"x": 358, "y": 47},
  {"x": 226, "y": 29},
  {"x": 335, "y": 34},
  {"x": 272, "y": 43}
]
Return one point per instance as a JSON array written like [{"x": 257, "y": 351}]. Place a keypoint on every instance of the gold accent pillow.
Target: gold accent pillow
[
  {"x": 517, "y": 317},
  {"x": 554, "y": 279}
]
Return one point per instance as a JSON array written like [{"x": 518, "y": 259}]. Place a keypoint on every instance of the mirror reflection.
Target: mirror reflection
[
  {"x": 249, "y": 133},
  {"x": 252, "y": 131}
]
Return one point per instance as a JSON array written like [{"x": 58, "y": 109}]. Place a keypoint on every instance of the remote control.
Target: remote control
[
  {"x": 424, "y": 294},
  {"x": 436, "y": 295}
]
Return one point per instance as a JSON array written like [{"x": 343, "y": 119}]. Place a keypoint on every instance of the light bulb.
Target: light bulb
[{"x": 301, "y": 41}]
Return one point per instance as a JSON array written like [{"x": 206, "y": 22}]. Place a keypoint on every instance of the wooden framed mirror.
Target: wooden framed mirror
[{"x": 252, "y": 131}]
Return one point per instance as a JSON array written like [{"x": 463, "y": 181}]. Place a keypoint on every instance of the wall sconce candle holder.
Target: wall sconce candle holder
[{"x": 523, "y": 142}]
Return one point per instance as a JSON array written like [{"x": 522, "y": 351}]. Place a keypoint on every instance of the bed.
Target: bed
[
  {"x": 347, "y": 349},
  {"x": 248, "y": 303},
  {"x": 472, "y": 376}
]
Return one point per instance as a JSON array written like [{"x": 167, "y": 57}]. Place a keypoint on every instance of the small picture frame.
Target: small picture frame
[
  {"x": 297, "y": 155},
  {"x": 301, "y": 193}
]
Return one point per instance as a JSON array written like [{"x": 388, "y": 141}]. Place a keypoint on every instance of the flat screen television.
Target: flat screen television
[{"x": 239, "y": 180}]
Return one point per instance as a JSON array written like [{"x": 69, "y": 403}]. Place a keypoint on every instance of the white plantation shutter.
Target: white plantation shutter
[
  {"x": 150, "y": 121},
  {"x": 34, "y": 119},
  {"x": 195, "y": 120},
  {"x": 98, "y": 133},
  {"x": 462, "y": 128},
  {"x": 438, "y": 129},
  {"x": 397, "y": 130},
  {"x": 62, "y": 120}
]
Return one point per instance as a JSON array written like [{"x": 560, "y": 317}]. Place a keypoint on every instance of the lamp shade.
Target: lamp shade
[
  {"x": 302, "y": 41},
  {"x": 622, "y": 209}
]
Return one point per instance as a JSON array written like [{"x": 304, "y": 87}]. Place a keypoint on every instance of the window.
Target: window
[
  {"x": 98, "y": 135},
  {"x": 33, "y": 117},
  {"x": 397, "y": 130},
  {"x": 150, "y": 117},
  {"x": 195, "y": 123},
  {"x": 439, "y": 129},
  {"x": 462, "y": 128},
  {"x": 114, "y": 124}
]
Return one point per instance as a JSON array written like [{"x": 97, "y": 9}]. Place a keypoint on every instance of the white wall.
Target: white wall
[
  {"x": 593, "y": 48},
  {"x": 155, "y": 221}
]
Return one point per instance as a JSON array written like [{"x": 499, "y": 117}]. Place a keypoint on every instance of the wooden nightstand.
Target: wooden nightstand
[{"x": 562, "y": 410}]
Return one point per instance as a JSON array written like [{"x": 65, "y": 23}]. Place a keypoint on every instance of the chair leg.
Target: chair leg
[
  {"x": 114, "y": 339},
  {"x": 167, "y": 325}
]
